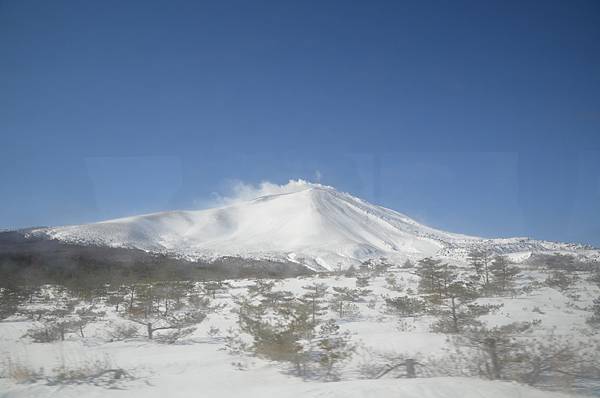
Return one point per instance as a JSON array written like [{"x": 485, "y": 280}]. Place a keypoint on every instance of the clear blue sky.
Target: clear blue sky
[{"x": 479, "y": 117}]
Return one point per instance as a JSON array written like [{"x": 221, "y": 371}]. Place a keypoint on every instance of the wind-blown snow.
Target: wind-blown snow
[{"x": 302, "y": 222}]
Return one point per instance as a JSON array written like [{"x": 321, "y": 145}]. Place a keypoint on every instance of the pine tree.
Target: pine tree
[
  {"x": 595, "y": 319},
  {"x": 458, "y": 311},
  {"x": 334, "y": 348},
  {"x": 117, "y": 297},
  {"x": 56, "y": 322},
  {"x": 146, "y": 310},
  {"x": 497, "y": 346},
  {"x": 213, "y": 287},
  {"x": 560, "y": 280},
  {"x": 86, "y": 315},
  {"x": 169, "y": 295},
  {"x": 10, "y": 300},
  {"x": 279, "y": 336},
  {"x": 502, "y": 353},
  {"x": 480, "y": 260},
  {"x": 261, "y": 287},
  {"x": 404, "y": 306},
  {"x": 436, "y": 277},
  {"x": 274, "y": 298},
  {"x": 315, "y": 296},
  {"x": 447, "y": 277},
  {"x": 342, "y": 300},
  {"x": 428, "y": 271},
  {"x": 451, "y": 296},
  {"x": 392, "y": 282},
  {"x": 595, "y": 278},
  {"x": 559, "y": 261},
  {"x": 363, "y": 280},
  {"x": 504, "y": 273}
]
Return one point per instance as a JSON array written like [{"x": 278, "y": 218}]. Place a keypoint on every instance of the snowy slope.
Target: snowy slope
[{"x": 311, "y": 224}]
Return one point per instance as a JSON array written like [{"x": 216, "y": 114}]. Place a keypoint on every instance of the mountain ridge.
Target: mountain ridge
[{"x": 311, "y": 224}]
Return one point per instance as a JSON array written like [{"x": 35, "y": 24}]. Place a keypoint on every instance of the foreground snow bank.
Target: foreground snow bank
[
  {"x": 427, "y": 388},
  {"x": 414, "y": 388}
]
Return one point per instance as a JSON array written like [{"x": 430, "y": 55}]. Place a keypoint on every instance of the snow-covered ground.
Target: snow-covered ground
[{"x": 200, "y": 366}]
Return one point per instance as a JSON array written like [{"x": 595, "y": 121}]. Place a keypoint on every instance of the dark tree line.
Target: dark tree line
[{"x": 31, "y": 262}]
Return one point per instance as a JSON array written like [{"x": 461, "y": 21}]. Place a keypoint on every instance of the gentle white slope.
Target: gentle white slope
[{"x": 312, "y": 224}]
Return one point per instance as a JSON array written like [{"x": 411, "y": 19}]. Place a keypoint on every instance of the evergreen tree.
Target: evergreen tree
[
  {"x": 56, "y": 322},
  {"x": 349, "y": 273},
  {"x": 503, "y": 353},
  {"x": 447, "y": 277},
  {"x": 595, "y": 278},
  {"x": 261, "y": 287},
  {"x": 436, "y": 278},
  {"x": 480, "y": 260},
  {"x": 213, "y": 287},
  {"x": 504, "y": 273},
  {"x": 10, "y": 300},
  {"x": 146, "y": 310},
  {"x": 334, "y": 348},
  {"x": 560, "y": 280},
  {"x": 85, "y": 316},
  {"x": 315, "y": 297},
  {"x": 456, "y": 310},
  {"x": 117, "y": 297},
  {"x": 595, "y": 319},
  {"x": 274, "y": 298},
  {"x": 288, "y": 333},
  {"x": 429, "y": 273},
  {"x": 343, "y": 299},
  {"x": 392, "y": 282},
  {"x": 451, "y": 298},
  {"x": 497, "y": 346},
  {"x": 559, "y": 261},
  {"x": 404, "y": 305},
  {"x": 278, "y": 336},
  {"x": 363, "y": 280}
]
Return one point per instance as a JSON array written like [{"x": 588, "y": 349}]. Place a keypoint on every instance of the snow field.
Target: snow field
[{"x": 199, "y": 365}]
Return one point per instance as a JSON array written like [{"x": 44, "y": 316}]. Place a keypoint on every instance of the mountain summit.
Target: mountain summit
[{"x": 311, "y": 224}]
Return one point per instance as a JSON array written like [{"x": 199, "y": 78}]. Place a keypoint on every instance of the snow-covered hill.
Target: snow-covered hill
[{"x": 308, "y": 223}]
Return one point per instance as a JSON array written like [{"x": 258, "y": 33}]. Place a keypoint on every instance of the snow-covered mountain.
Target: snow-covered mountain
[{"x": 311, "y": 224}]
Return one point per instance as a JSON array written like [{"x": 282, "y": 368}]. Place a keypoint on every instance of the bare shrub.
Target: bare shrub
[
  {"x": 99, "y": 373},
  {"x": 123, "y": 331},
  {"x": 234, "y": 343},
  {"x": 395, "y": 365},
  {"x": 45, "y": 333},
  {"x": 595, "y": 318},
  {"x": 214, "y": 332},
  {"x": 20, "y": 373},
  {"x": 172, "y": 336}
]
